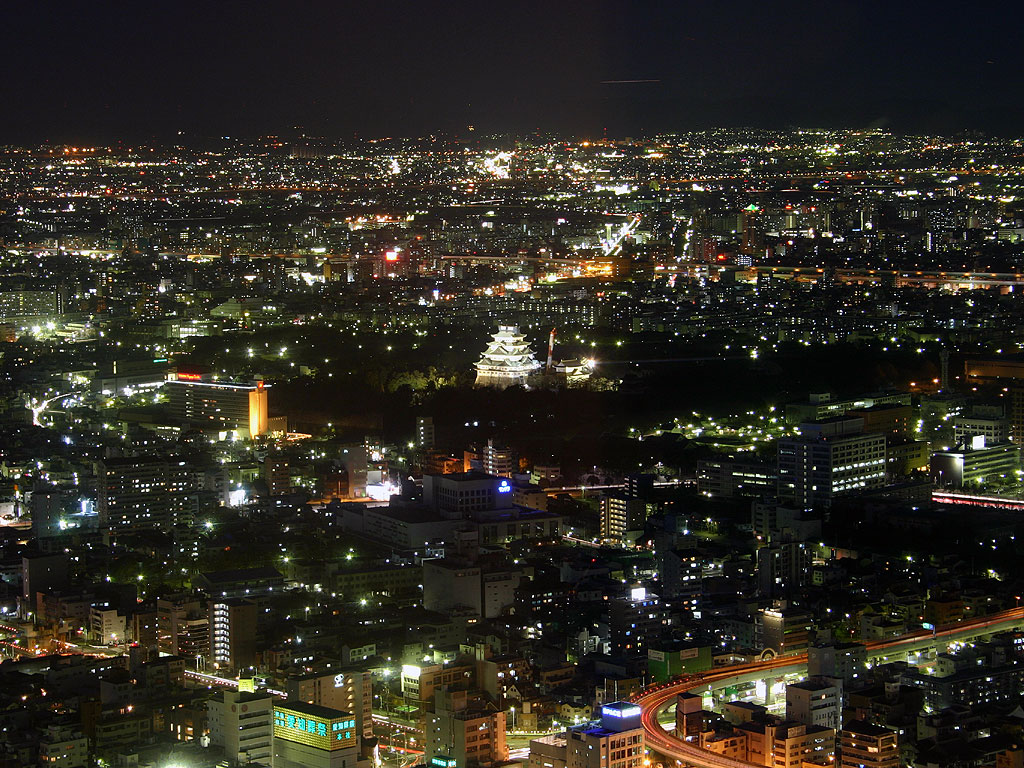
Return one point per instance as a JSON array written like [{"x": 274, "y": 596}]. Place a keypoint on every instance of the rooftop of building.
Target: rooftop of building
[
  {"x": 241, "y": 574},
  {"x": 864, "y": 728},
  {"x": 313, "y": 710}
]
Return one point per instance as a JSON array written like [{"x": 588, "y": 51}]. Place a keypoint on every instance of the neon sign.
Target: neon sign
[{"x": 504, "y": 487}]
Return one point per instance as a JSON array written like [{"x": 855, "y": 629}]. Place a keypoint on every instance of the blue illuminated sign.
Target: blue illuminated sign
[
  {"x": 504, "y": 487},
  {"x": 621, "y": 712}
]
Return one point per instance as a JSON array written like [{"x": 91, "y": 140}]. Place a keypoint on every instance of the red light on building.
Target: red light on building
[
  {"x": 189, "y": 377},
  {"x": 391, "y": 256}
]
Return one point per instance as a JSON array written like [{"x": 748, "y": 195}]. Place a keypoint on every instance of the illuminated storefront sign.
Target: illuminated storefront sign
[
  {"x": 504, "y": 487},
  {"x": 621, "y": 711},
  {"x": 301, "y": 726}
]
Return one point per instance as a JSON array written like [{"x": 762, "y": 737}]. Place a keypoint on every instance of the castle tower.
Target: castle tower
[{"x": 508, "y": 359}]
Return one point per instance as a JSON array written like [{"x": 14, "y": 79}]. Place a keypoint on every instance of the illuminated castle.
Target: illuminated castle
[{"x": 507, "y": 360}]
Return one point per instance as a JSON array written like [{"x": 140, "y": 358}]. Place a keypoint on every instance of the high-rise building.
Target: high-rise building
[
  {"x": 183, "y": 627},
  {"x": 621, "y": 514},
  {"x": 829, "y": 459},
  {"x": 218, "y": 406},
  {"x": 40, "y": 573},
  {"x": 866, "y": 745},
  {"x": 233, "y": 633},
  {"x": 508, "y": 360},
  {"x": 783, "y": 629},
  {"x": 424, "y": 431},
  {"x": 634, "y": 619},
  {"x": 241, "y": 723},
  {"x": 782, "y": 567},
  {"x": 147, "y": 493}
]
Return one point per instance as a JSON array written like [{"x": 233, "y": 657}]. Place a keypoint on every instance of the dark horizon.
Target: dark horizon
[{"x": 579, "y": 68}]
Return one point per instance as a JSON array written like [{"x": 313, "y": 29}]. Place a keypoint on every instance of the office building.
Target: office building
[
  {"x": 635, "y": 619},
  {"x": 183, "y": 627},
  {"x": 821, "y": 406},
  {"x": 729, "y": 478},
  {"x": 974, "y": 464},
  {"x": 461, "y": 494},
  {"x": 966, "y": 428},
  {"x": 241, "y": 723},
  {"x": 783, "y": 567},
  {"x": 41, "y": 573},
  {"x": 311, "y": 736},
  {"x": 830, "y": 459},
  {"x": 200, "y": 402},
  {"x": 845, "y": 661}
]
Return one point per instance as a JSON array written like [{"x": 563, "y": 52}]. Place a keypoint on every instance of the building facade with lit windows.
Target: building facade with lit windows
[
  {"x": 147, "y": 493},
  {"x": 830, "y": 459},
  {"x": 61, "y": 746},
  {"x": 233, "y": 633},
  {"x": 201, "y": 402},
  {"x": 866, "y": 745}
]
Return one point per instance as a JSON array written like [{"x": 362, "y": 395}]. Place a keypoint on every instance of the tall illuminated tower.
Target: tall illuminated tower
[{"x": 508, "y": 359}]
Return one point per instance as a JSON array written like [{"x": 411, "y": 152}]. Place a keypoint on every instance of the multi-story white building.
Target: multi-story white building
[
  {"x": 815, "y": 702},
  {"x": 243, "y": 725},
  {"x": 106, "y": 625}
]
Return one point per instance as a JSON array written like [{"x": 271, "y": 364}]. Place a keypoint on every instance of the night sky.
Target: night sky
[{"x": 98, "y": 72}]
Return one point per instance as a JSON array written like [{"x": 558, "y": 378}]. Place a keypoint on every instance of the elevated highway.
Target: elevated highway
[{"x": 658, "y": 699}]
